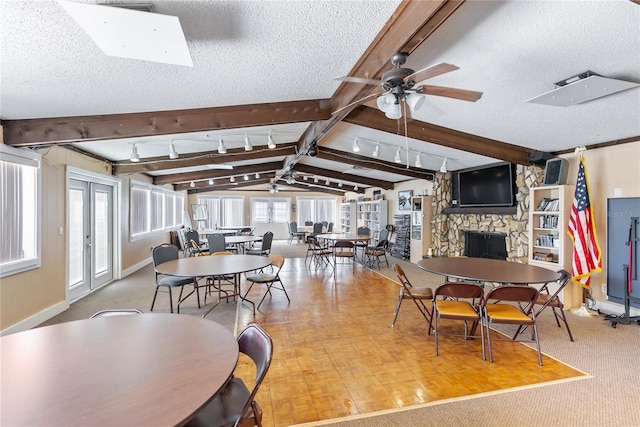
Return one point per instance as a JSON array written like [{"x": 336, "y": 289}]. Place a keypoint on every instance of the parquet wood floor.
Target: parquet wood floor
[{"x": 336, "y": 354}]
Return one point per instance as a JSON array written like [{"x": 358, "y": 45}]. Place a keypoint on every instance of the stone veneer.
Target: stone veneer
[{"x": 448, "y": 229}]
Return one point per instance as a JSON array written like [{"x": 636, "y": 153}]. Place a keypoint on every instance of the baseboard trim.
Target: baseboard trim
[
  {"x": 136, "y": 267},
  {"x": 36, "y": 319}
]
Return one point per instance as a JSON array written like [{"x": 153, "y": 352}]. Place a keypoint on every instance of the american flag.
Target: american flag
[{"x": 586, "y": 252}]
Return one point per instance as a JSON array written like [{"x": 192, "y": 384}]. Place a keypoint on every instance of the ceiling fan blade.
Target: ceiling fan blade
[
  {"x": 450, "y": 92},
  {"x": 361, "y": 80},
  {"x": 429, "y": 72},
  {"x": 358, "y": 102}
]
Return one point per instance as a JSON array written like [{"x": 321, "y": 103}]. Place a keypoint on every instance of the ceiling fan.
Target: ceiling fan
[{"x": 403, "y": 87}]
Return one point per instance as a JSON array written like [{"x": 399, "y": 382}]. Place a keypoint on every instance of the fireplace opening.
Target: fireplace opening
[{"x": 479, "y": 244}]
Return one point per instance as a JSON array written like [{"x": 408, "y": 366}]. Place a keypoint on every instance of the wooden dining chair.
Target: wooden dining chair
[
  {"x": 415, "y": 294},
  {"x": 235, "y": 404},
  {"x": 511, "y": 305}
]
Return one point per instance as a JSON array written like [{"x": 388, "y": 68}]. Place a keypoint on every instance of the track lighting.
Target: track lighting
[
  {"x": 270, "y": 142},
  {"x": 247, "y": 143},
  {"x": 376, "y": 151},
  {"x": 418, "y": 161},
  {"x": 232, "y": 179},
  {"x": 397, "y": 159},
  {"x": 327, "y": 182},
  {"x": 273, "y": 188},
  {"x": 340, "y": 184},
  {"x": 356, "y": 147},
  {"x": 221, "y": 148},
  {"x": 305, "y": 177},
  {"x": 355, "y": 188},
  {"x": 443, "y": 168},
  {"x": 291, "y": 180},
  {"x": 257, "y": 175},
  {"x": 134, "y": 157},
  {"x": 192, "y": 184},
  {"x": 210, "y": 181},
  {"x": 315, "y": 179},
  {"x": 172, "y": 151},
  {"x": 246, "y": 177}
]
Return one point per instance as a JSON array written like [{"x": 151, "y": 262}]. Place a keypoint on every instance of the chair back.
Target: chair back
[
  {"x": 404, "y": 281},
  {"x": 116, "y": 312},
  {"x": 257, "y": 344},
  {"x": 325, "y": 223},
  {"x": 246, "y": 231},
  {"x": 307, "y": 223},
  {"x": 196, "y": 249},
  {"x": 222, "y": 253},
  {"x": 384, "y": 234},
  {"x": 546, "y": 297},
  {"x": 364, "y": 231},
  {"x": 330, "y": 227},
  {"x": 344, "y": 244},
  {"x": 293, "y": 227},
  {"x": 277, "y": 261},
  {"x": 163, "y": 253},
  {"x": 459, "y": 290},
  {"x": 217, "y": 242},
  {"x": 317, "y": 228},
  {"x": 267, "y": 239},
  {"x": 526, "y": 295}
]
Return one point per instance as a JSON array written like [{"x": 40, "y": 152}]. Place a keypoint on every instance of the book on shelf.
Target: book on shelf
[{"x": 548, "y": 205}]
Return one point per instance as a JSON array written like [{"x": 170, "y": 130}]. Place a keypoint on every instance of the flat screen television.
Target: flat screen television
[{"x": 492, "y": 185}]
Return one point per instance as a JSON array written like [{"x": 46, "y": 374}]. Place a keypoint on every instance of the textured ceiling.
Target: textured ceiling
[{"x": 252, "y": 52}]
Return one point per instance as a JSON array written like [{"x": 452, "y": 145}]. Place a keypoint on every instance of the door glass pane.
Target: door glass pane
[
  {"x": 76, "y": 237},
  {"x": 101, "y": 233}
]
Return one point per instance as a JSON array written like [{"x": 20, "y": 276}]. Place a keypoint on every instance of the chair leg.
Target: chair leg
[
  {"x": 395, "y": 315},
  {"x": 155, "y": 294},
  {"x": 564, "y": 319}
]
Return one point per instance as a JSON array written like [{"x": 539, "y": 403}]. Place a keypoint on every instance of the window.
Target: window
[
  {"x": 20, "y": 212},
  {"x": 223, "y": 211},
  {"x": 316, "y": 209},
  {"x": 270, "y": 210},
  {"x": 153, "y": 209}
]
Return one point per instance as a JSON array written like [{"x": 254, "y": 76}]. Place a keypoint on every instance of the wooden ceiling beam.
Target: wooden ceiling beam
[
  {"x": 374, "y": 119},
  {"x": 321, "y": 172},
  {"x": 58, "y": 130},
  {"x": 376, "y": 164},
  {"x": 202, "y": 158},
  {"x": 217, "y": 173},
  {"x": 329, "y": 189},
  {"x": 230, "y": 186}
]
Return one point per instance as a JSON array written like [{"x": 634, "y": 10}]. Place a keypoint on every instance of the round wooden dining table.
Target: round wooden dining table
[
  {"x": 488, "y": 270},
  {"x": 143, "y": 369},
  {"x": 211, "y": 266}
]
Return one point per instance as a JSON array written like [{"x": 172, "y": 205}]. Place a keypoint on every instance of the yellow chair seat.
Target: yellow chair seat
[
  {"x": 422, "y": 292},
  {"x": 507, "y": 313},
  {"x": 455, "y": 309}
]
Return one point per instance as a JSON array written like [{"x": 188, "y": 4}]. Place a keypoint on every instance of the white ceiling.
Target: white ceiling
[{"x": 252, "y": 52}]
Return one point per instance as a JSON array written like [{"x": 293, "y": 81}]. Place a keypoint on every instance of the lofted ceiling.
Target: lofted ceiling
[{"x": 268, "y": 68}]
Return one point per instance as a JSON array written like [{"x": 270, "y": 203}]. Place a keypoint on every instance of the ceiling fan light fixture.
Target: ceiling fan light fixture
[
  {"x": 397, "y": 159},
  {"x": 376, "y": 151},
  {"x": 393, "y": 112},
  {"x": 172, "y": 151},
  {"x": 356, "y": 147},
  {"x": 385, "y": 101},
  {"x": 313, "y": 150},
  {"x": 270, "y": 142},
  {"x": 443, "y": 168},
  {"x": 221, "y": 148},
  {"x": 418, "y": 161},
  {"x": 415, "y": 101},
  {"x": 247, "y": 143}
]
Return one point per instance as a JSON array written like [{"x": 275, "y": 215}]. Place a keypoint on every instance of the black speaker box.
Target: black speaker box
[
  {"x": 555, "y": 172},
  {"x": 539, "y": 158}
]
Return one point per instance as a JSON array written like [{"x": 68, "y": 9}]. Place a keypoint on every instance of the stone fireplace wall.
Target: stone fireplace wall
[{"x": 448, "y": 228}]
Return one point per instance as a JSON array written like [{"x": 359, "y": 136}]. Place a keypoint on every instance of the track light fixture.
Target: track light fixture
[
  {"x": 221, "y": 148},
  {"x": 134, "y": 157},
  {"x": 247, "y": 143},
  {"x": 232, "y": 179},
  {"x": 340, "y": 184},
  {"x": 270, "y": 142},
  {"x": 443, "y": 168},
  {"x": 376, "y": 151},
  {"x": 210, "y": 181},
  {"x": 273, "y": 188},
  {"x": 246, "y": 177},
  {"x": 356, "y": 147},
  {"x": 257, "y": 175},
  {"x": 172, "y": 151},
  {"x": 315, "y": 179},
  {"x": 192, "y": 184},
  {"x": 327, "y": 182},
  {"x": 418, "y": 161},
  {"x": 355, "y": 188},
  {"x": 397, "y": 159}
]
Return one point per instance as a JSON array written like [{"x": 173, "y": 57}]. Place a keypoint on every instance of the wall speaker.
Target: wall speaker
[{"x": 555, "y": 172}]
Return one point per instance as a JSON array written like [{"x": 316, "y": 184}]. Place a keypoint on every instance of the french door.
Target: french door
[{"x": 89, "y": 236}]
